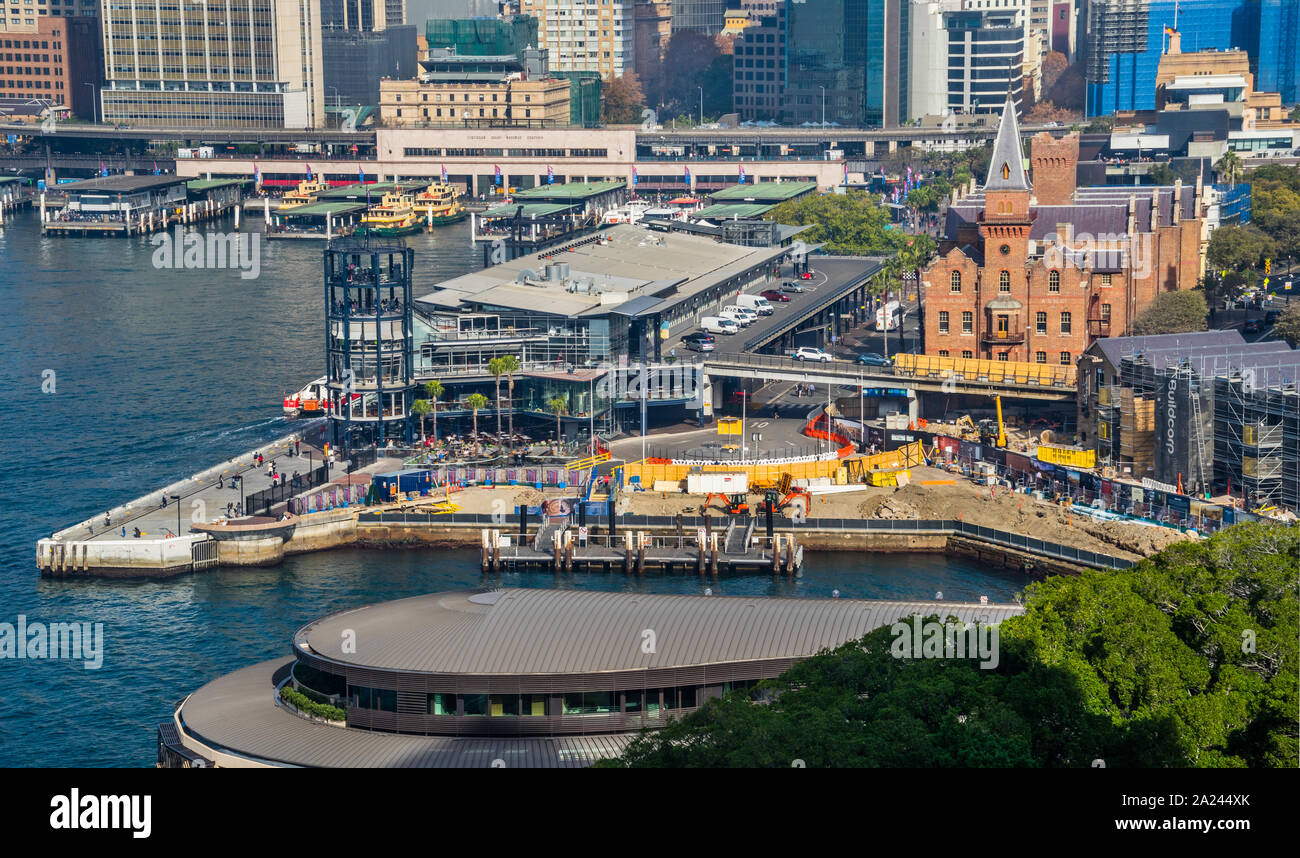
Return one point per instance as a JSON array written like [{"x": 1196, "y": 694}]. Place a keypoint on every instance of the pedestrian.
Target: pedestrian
[
  {"x": 124, "y": 531},
  {"x": 297, "y": 447},
  {"x": 221, "y": 482}
]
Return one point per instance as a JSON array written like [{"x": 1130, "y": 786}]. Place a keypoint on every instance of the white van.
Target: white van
[
  {"x": 719, "y": 325},
  {"x": 740, "y": 316},
  {"x": 757, "y": 303}
]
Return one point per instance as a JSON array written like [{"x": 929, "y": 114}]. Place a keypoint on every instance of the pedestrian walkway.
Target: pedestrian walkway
[{"x": 203, "y": 498}]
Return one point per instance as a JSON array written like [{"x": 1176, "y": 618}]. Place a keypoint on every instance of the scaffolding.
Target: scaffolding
[
  {"x": 1257, "y": 441},
  {"x": 1115, "y": 27},
  {"x": 1167, "y": 423}
]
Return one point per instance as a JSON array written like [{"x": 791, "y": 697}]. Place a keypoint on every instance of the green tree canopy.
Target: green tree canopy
[
  {"x": 852, "y": 224},
  {"x": 622, "y": 100},
  {"x": 1187, "y": 660},
  {"x": 1237, "y": 247},
  {"x": 1288, "y": 326},
  {"x": 1172, "y": 313}
]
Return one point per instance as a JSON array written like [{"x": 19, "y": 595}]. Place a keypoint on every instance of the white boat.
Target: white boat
[
  {"x": 630, "y": 212},
  {"x": 312, "y": 400}
]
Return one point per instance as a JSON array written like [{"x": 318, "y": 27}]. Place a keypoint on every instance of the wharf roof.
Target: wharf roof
[
  {"x": 571, "y": 191},
  {"x": 530, "y": 209},
  {"x": 633, "y": 262},
  {"x": 727, "y": 211},
  {"x": 544, "y": 631},
  {"x": 213, "y": 184},
  {"x": 358, "y": 190},
  {"x": 763, "y": 192},
  {"x": 123, "y": 184},
  {"x": 320, "y": 209}
]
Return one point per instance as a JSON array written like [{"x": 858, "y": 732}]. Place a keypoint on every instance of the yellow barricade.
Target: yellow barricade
[{"x": 994, "y": 371}]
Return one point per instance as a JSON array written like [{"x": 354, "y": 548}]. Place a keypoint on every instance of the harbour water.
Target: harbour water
[{"x": 157, "y": 372}]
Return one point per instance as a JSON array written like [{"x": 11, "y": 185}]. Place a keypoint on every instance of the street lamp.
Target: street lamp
[
  {"x": 94, "y": 112},
  {"x": 823, "y": 89},
  {"x": 177, "y": 498},
  {"x": 701, "y": 89}
]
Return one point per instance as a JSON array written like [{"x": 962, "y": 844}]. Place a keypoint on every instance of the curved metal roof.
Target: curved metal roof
[{"x": 540, "y": 631}]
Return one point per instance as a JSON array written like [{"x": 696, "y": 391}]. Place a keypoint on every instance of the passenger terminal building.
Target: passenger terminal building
[{"x": 514, "y": 677}]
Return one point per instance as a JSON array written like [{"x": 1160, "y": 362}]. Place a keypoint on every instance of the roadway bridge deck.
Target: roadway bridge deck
[{"x": 782, "y": 368}]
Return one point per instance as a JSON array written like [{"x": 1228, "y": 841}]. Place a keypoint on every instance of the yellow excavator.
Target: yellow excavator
[{"x": 987, "y": 432}]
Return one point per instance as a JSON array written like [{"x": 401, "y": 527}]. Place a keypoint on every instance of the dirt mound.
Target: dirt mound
[
  {"x": 1136, "y": 539},
  {"x": 887, "y": 507}
]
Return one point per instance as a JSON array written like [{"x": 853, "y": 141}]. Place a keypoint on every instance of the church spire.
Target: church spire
[{"x": 1007, "y": 166}]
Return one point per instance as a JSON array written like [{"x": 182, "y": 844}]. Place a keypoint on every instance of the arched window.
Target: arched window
[
  {"x": 955, "y": 280},
  {"x": 1004, "y": 281},
  {"x": 1054, "y": 281}
]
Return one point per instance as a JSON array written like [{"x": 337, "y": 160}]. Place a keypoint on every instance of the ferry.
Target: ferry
[
  {"x": 311, "y": 401},
  {"x": 395, "y": 215},
  {"x": 630, "y": 212},
  {"x": 437, "y": 205},
  {"x": 305, "y": 194}
]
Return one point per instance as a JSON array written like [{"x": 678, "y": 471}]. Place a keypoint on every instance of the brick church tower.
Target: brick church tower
[{"x": 1004, "y": 227}]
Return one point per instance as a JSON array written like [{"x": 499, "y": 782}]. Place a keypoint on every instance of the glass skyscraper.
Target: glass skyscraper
[
  {"x": 1127, "y": 37},
  {"x": 1279, "y": 49}
]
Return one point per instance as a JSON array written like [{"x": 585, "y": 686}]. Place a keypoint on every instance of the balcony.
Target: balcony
[
  {"x": 1003, "y": 338},
  {"x": 1099, "y": 327}
]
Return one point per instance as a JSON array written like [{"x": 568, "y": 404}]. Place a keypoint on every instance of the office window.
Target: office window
[
  {"x": 955, "y": 282},
  {"x": 967, "y": 321},
  {"x": 1053, "y": 281},
  {"x": 943, "y": 321},
  {"x": 967, "y": 354},
  {"x": 1004, "y": 281},
  {"x": 1065, "y": 322},
  {"x": 1040, "y": 322},
  {"x": 1040, "y": 357},
  {"x": 1065, "y": 358}
]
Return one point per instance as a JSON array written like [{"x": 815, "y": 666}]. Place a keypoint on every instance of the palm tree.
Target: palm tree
[
  {"x": 421, "y": 407},
  {"x": 432, "y": 390},
  {"x": 1229, "y": 167},
  {"x": 497, "y": 369},
  {"x": 510, "y": 365},
  {"x": 557, "y": 405},
  {"x": 475, "y": 402}
]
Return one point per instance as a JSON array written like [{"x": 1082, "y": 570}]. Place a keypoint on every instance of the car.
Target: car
[
  {"x": 699, "y": 342},
  {"x": 1270, "y": 317},
  {"x": 807, "y": 275},
  {"x": 811, "y": 353},
  {"x": 873, "y": 359},
  {"x": 1252, "y": 326},
  {"x": 791, "y": 286},
  {"x": 776, "y": 296}
]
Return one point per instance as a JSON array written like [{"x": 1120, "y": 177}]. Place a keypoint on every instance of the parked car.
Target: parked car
[
  {"x": 791, "y": 286},
  {"x": 1270, "y": 318},
  {"x": 776, "y": 296},
  {"x": 874, "y": 359},
  {"x": 740, "y": 315},
  {"x": 1252, "y": 326},
  {"x": 719, "y": 325},
  {"x": 811, "y": 353},
  {"x": 807, "y": 275},
  {"x": 698, "y": 342},
  {"x": 756, "y": 303}
]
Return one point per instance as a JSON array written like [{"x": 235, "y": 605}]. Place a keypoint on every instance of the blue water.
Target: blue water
[{"x": 160, "y": 372}]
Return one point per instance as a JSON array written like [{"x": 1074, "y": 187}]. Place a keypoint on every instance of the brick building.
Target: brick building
[
  {"x": 60, "y": 61},
  {"x": 1037, "y": 271}
]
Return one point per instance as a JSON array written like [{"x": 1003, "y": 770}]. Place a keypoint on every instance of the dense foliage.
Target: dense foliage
[
  {"x": 852, "y": 224},
  {"x": 1172, "y": 313},
  {"x": 300, "y": 701},
  {"x": 1189, "y": 659}
]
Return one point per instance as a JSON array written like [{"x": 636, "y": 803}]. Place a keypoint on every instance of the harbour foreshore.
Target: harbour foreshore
[{"x": 268, "y": 540}]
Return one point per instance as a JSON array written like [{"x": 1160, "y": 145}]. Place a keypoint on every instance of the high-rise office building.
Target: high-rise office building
[
  {"x": 581, "y": 36},
  {"x": 967, "y": 56},
  {"x": 1125, "y": 39},
  {"x": 842, "y": 62},
  {"x": 23, "y": 16},
  {"x": 252, "y": 65},
  {"x": 698, "y": 16},
  {"x": 61, "y": 63},
  {"x": 1278, "y": 66},
  {"x": 653, "y": 26}
]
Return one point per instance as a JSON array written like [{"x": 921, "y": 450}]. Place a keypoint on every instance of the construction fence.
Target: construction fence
[{"x": 994, "y": 371}]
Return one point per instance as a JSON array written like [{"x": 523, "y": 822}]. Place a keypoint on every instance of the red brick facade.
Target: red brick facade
[{"x": 1019, "y": 298}]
